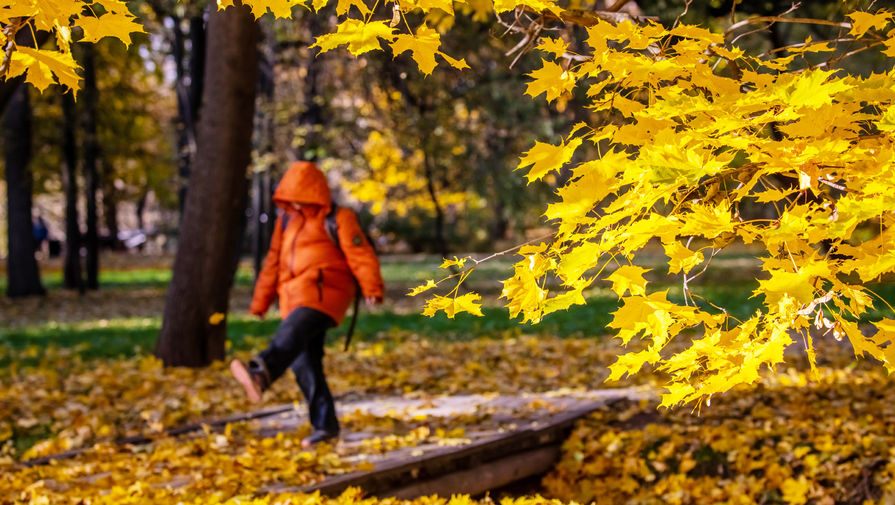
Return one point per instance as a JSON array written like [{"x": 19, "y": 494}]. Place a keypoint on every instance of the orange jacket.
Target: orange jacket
[{"x": 304, "y": 266}]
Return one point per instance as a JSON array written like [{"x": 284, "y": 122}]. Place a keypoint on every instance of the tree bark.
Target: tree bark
[
  {"x": 189, "y": 94},
  {"x": 211, "y": 229},
  {"x": 110, "y": 204},
  {"x": 22, "y": 272},
  {"x": 91, "y": 171},
  {"x": 71, "y": 277}
]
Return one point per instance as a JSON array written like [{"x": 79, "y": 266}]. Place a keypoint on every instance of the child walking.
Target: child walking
[{"x": 313, "y": 274}]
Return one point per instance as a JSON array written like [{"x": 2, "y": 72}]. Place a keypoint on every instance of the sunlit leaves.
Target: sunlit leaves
[
  {"x": 42, "y": 67},
  {"x": 360, "y": 37},
  {"x": 424, "y": 45},
  {"x": 863, "y": 21},
  {"x": 545, "y": 158},
  {"x": 422, "y": 288},
  {"x": 551, "y": 79},
  {"x": 628, "y": 278},
  {"x": 451, "y": 306}
]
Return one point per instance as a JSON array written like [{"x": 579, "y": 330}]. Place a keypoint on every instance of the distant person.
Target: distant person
[
  {"x": 41, "y": 232},
  {"x": 313, "y": 273}
]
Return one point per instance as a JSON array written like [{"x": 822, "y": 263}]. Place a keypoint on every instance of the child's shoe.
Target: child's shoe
[{"x": 319, "y": 436}]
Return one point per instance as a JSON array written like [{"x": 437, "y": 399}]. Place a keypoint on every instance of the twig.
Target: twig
[
  {"x": 778, "y": 19},
  {"x": 10, "y": 33},
  {"x": 684, "y": 13},
  {"x": 519, "y": 246},
  {"x": 803, "y": 44}
]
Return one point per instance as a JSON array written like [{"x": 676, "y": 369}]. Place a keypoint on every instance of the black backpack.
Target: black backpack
[{"x": 332, "y": 229}]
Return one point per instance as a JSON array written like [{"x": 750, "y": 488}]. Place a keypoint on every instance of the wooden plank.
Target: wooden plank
[
  {"x": 394, "y": 474},
  {"x": 491, "y": 475}
]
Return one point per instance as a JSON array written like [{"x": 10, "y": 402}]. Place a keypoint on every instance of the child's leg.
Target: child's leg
[
  {"x": 302, "y": 326},
  {"x": 308, "y": 370}
]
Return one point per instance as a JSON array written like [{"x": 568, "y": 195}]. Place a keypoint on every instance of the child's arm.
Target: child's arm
[
  {"x": 266, "y": 285},
  {"x": 361, "y": 257}
]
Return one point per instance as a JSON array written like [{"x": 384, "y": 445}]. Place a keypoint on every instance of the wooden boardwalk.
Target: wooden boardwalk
[{"x": 504, "y": 439}]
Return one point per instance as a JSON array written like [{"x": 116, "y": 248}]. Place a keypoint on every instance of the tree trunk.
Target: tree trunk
[
  {"x": 71, "y": 277},
  {"x": 110, "y": 205},
  {"x": 22, "y": 272},
  {"x": 264, "y": 145},
  {"x": 210, "y": 232},
  {"x": 91, "y": 160},
  {"x": 189, "y": 95}
]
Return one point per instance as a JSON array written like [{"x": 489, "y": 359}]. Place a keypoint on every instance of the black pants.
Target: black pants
[{"x": 298, "y": 344}]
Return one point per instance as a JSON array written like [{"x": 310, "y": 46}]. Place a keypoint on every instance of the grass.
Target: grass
[{"x": 121, "y": 337}]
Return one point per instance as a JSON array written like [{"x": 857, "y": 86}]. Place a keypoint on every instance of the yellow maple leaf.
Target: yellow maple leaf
[
  {"x": 680, "y": 258},
  {"x": 890, "y": 46},
  {"x": 17, "y": 10},
  {"x": 453, "y": 306},
  {"x": 359, "y": 36},
  {"x": 444, "y": 5},
  {"x": 343, "y": 6},
  {"x": 216, "y": 318},
  {"x": 279, "y": 8},
  {"x": 557, "y": 47},
  {"x": 863, "y": 21},
  {"x": 551, "y": 79},
  {"x": 424, "y": 287},
  {"x": 44, "y": 67},
  {"x": 547, "y": 157},
  {"x": 423, "y": 47},
  {"x": 457, "y": 262},
  {"x": 628, "y": 278},
  {"x": 782, "y": 283},
  {"x": 536, "y": 5},
  {"x": 108, "y": 25}
]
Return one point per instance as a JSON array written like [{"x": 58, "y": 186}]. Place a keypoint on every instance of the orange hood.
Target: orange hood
[{"x": 303, "y": 183}]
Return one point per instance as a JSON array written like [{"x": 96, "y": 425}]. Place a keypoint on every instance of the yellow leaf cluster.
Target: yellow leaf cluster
[
  {"x": 693, "y": 151},
  {"x": 94, "y": 19},
  {"x": 396, "y": 182}
]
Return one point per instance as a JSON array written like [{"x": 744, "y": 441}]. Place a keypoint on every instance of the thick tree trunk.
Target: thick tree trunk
[
  {"x": 91, "y": 171},
  {"x": 71, "y": 277},
  {"x": 211, "y": 229},
  {"x": 22, "y": 272}
]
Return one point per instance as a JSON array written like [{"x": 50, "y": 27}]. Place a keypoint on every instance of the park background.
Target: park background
[{"x": 429, "y": 163}]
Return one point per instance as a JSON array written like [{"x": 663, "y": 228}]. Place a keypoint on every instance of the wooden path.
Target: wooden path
[{"x": 504, "y": 439}]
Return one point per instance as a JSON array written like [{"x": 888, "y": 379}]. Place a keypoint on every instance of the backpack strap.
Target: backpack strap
[
  {"x": 332, "y": 229},
  {"x": 332, "y": 225}
]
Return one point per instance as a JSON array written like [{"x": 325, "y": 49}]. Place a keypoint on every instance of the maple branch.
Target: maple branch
[
  {"x": 779, "y": 19},
  {"x": 803, "y": 44},
  {"x": 590, "y": 18},
  {"x": 792, "y": 7},
  {"x": 846, "y": 55},
  {"x": 9, "y": 31},
  {"x": 683, "y": 13},
  {"x": 518, "y": 246}
]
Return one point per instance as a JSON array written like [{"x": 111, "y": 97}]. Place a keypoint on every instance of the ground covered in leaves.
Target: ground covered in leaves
[{"x": 793, "y": 438}]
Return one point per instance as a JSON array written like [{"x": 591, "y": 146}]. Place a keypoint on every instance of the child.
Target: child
[{"x": 314, "y": 276}]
